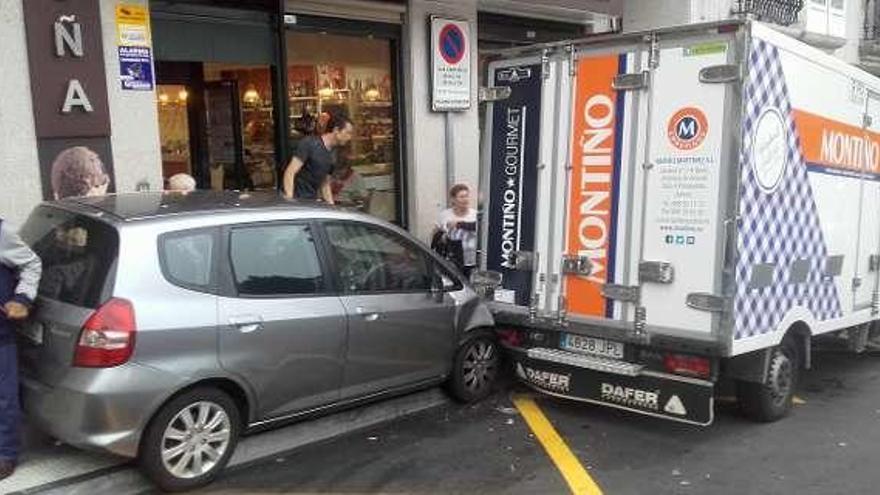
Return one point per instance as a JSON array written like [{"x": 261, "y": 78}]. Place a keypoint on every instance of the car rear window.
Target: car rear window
[{"x": 78, "y": 254}]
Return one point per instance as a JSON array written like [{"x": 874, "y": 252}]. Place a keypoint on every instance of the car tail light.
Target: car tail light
[
  {"x": 510, "y": 337},
  {"x": 682, "y": 364},
  {"x": 107, "y": 337}
]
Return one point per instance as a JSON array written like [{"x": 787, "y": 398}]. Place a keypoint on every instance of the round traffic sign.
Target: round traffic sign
[{"x": 452, "y": 44}]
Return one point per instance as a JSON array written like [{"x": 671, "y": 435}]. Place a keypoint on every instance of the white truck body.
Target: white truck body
[{"x": 709, "y": 188}]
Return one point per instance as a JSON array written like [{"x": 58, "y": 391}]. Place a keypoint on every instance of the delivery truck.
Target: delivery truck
[{"x": 674, "y": 210}]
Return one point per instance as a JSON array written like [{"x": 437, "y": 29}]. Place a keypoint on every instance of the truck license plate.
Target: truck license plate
[{"x": 592, "y": 345}]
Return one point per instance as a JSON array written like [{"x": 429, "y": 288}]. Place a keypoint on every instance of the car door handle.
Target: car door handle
[
  {"x": 247, "y": 324},
  {"x": 366, "y": 314}
]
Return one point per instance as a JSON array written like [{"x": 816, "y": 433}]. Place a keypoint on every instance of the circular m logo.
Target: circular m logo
[{"x": 687, "y": 128}]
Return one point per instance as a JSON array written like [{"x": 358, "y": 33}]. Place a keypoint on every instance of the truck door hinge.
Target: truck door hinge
[
  {"x": 489, "y": 94},
  {"x": 653, "y": 51},
  {"x": 630, "y": 81},
  {"x": 572, "y": 67},
  {"x": 875, "y": 303},
  {"x": 545, "y": 64},
  {"x": 719, "y": 74}
]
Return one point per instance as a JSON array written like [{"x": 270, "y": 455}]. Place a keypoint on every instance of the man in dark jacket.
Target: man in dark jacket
[{"x": 20, "y": 270}]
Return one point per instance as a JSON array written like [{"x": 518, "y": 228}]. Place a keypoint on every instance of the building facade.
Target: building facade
[{"x": 223, "y": 90}]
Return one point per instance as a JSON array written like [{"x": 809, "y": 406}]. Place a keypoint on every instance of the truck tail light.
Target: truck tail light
[
  {"x": 107, "y": 337},
  {"x": 510, "y": 337},
  {"x": 682, "y": 364}
]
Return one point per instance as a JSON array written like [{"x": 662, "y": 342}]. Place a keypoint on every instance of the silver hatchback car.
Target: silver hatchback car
[{"x": 169, "y": 324}]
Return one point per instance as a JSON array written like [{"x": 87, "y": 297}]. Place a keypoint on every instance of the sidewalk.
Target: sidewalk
[{"x": 49, "y": 467}]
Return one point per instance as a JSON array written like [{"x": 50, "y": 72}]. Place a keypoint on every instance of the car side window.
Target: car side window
[
  {"x": 371, "y": 259},
  {"x": 187, "y": 258},
  {"x": 275, "y": 260}
]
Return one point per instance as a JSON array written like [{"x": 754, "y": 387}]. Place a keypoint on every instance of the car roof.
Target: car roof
[{"x": 129, "y": 207}]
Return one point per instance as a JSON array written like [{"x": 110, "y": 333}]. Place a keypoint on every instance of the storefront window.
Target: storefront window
[
  {"x": 351, "y": 75},
  {"x": 174, "y": 129}
]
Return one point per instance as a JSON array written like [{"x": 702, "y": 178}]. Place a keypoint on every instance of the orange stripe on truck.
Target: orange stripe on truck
[
  {"x": 589, "y": 215},
  {"x": 833, "y": 144}
]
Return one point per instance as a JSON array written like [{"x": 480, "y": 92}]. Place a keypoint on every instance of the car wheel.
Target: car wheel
[
  {"x": 770, "y": 401},
  {"x": 190, "y": 439},
  {"x": 475, "y": 368}
]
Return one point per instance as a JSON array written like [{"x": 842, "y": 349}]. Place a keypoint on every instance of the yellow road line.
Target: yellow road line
[{"x": 579, "y": 481}]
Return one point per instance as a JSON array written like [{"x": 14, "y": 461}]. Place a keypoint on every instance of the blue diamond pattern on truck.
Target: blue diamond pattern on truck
[{"x": 779, "y": 227}]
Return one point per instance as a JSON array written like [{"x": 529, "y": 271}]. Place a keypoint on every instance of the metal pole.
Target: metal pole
[{"x": 450, "y": 153}]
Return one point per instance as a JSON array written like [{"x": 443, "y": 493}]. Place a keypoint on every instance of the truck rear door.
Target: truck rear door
[{"x": 648, "y": 159}]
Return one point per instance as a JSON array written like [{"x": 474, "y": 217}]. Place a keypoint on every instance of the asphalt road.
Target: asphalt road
[{"x": 829, "y": 445}]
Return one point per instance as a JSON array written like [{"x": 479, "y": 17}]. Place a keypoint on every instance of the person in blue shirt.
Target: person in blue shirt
[{"x": 20, "y": 270}]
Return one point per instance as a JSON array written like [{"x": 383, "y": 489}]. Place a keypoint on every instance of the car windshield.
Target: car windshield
[{"x": 77, "y": 252}]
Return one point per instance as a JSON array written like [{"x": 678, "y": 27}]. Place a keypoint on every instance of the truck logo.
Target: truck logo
[
  {"x": 514, "y": 74},
  {"x": 688, "y": 128},
  {"x": 632, "y": 397},
  {"x": 556, "y": 382}
]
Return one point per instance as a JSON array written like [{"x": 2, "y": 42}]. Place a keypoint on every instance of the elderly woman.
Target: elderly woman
[
  {"x": 78, "y": 171},
  {"x": 181, "y": 183}
]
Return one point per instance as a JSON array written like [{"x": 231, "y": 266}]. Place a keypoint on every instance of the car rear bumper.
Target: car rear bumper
[
  {"x": 615, "y": 384},
  {"x": 104, "y": 410}
]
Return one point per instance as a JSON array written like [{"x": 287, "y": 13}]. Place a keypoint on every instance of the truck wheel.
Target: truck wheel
[
  {"x": 768, "y": 402},
  {"x": 190, "y": 439},
  {"x": 475, "y": 368}
]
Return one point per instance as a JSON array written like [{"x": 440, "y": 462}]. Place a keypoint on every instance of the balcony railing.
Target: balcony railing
[{"x": 782, "y": 12}]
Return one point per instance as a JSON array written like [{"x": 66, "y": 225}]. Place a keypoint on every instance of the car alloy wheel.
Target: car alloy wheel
[
  {"x": 479, "y": 366},
  {"x": 196, "y": 439}
]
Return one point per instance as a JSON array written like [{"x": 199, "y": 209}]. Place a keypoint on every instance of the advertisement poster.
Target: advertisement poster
[
  {"x": 451, "y": 65},
  {"x": 136, "y": 68},
  {"x": 514, "y": 176},
  {"x": 592, "y": 198},
  {"x": 71, "y": 167},
  {"x": 132, "y": 25}
]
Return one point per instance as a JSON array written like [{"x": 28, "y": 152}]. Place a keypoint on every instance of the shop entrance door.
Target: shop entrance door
[{"x": 224, "y": 138}]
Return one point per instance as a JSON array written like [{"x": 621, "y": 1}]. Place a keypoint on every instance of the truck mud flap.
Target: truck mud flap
[{"x": 686, "y": 401}]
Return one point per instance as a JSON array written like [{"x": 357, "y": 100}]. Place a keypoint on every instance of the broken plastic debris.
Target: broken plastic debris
[
  {"x": 280, "y": 460},
  {"x": 372, "y": 439},
  {"x": 509, "y": 421},
  {"x": 684, "y": 483},
  {"x": 676, "y": 472},
  {"x": 507, "y": 410},
  {"x": 841, "y": 444}
]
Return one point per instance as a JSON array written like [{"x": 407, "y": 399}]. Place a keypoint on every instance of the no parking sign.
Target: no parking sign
[{"x": 451, "y": 63}]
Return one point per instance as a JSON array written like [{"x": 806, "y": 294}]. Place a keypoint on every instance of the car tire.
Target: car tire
[
  {"x": 190, "y": 440},
  {"x": 771, "y": 401},
  {"x": 475, "y": 368}
]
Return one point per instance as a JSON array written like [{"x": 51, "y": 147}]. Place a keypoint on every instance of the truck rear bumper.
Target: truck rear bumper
[{"x": 661, "y": 395}]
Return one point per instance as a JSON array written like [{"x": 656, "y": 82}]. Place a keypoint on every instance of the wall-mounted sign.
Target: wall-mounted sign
[
  {"x": 134, "y": 48},
  {"x": 451, "y": 65},
  {"x": 69, "y": 95},
  {"x": 136, "y": 68},
  {"x": 132, "y": 25},
  {"x": 66, "y": 56}
]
